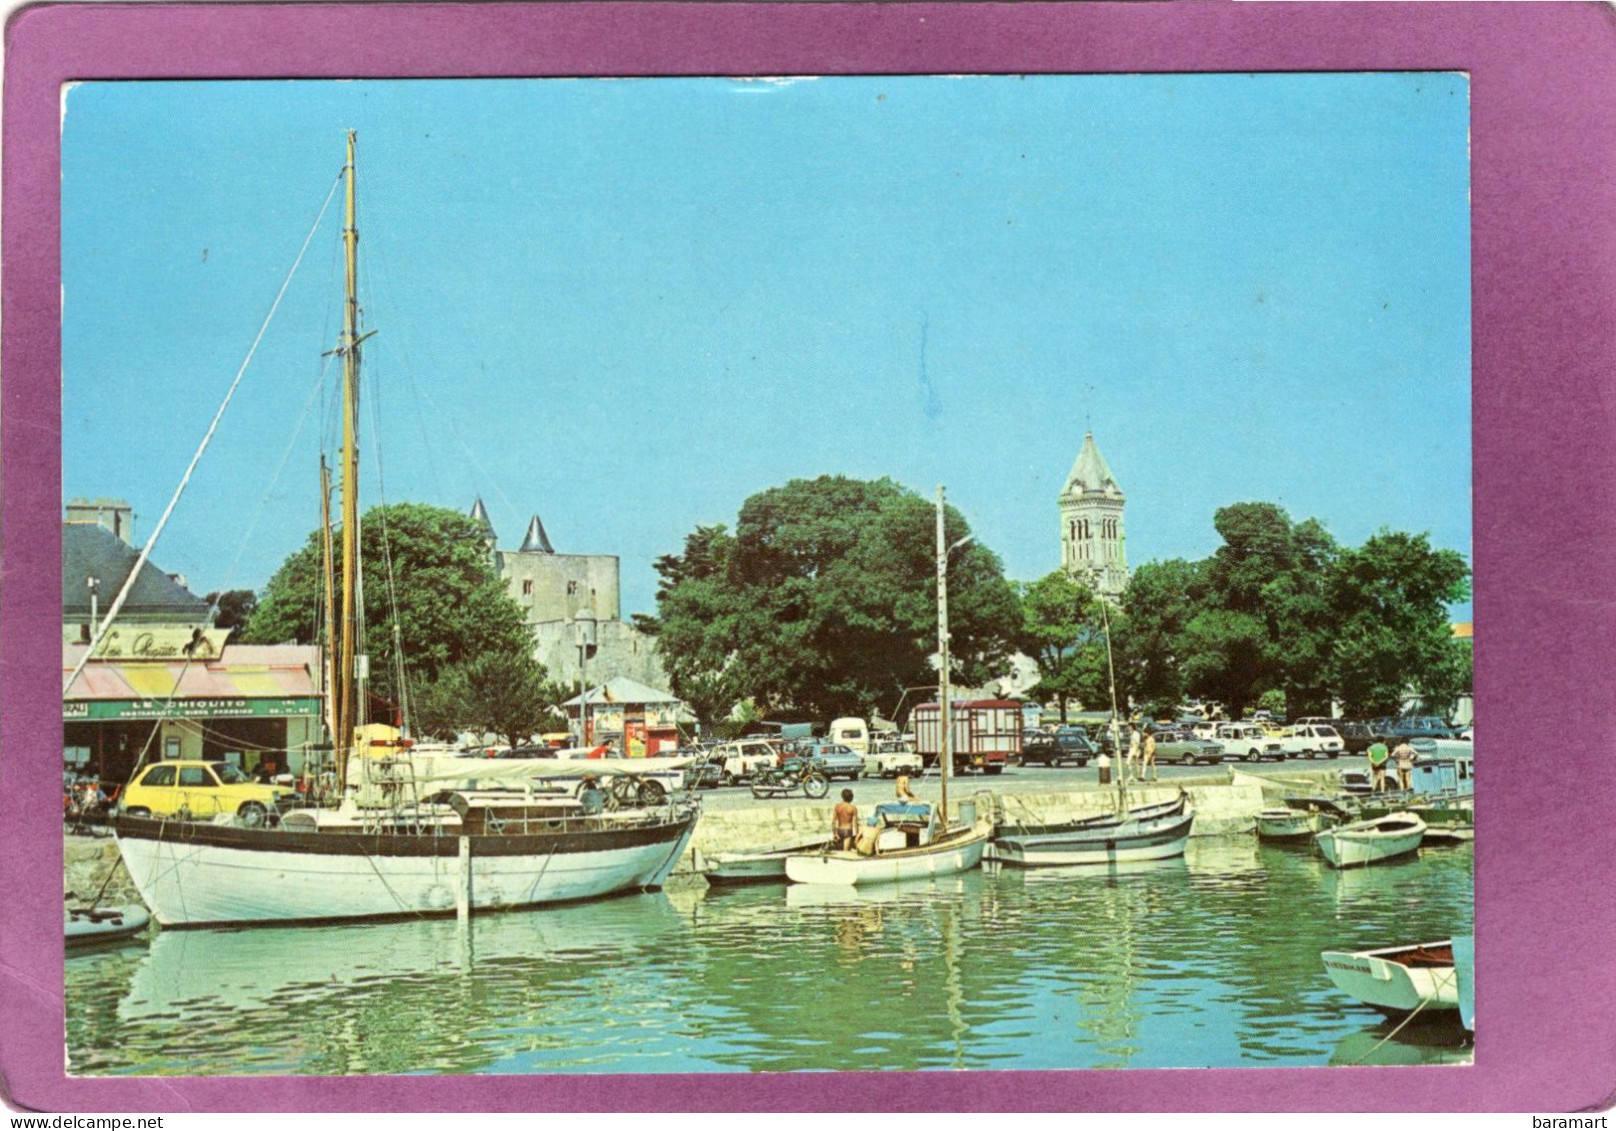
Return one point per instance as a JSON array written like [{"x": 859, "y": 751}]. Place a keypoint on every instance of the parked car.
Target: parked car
[
  {"x": 1315, "y": 740},
  {"x": 1068, "y": 744},
  {"x": 706, "y": 772},
  {"x": 740, "y": 760},
  {"x": 1183, "y": 748},
  {"x": 830, "y": 758},
  {"x": 1248, "y": 742},
  {"x": 1356, "y": 737},
  {"x": 203, "y": 790},
  {"x": 889, "y": 757},
  {"x": 853, "y": 734},
  {"x": 1416, "y": 726}
]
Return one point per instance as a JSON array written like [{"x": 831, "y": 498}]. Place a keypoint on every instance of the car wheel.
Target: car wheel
[
  {"x": 1253, "y": 756},
  {"x": 252, "y": 814},
  {"x": 138, "y": 811},
  {"x": 1310, "y": 754},
  {"x": 994, "y": 770},
  {"x": 1187, "y": 760}
]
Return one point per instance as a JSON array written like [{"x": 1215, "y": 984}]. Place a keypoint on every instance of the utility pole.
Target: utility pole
[{"x": 946, "y": 757}]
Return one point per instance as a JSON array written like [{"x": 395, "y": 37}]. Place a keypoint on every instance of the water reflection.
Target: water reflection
[{"x": 1208, "y": 960}]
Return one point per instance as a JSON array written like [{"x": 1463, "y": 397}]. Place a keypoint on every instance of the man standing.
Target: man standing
[
  {"x": 844, "y": 822},
  {"x": 1405, "y": 756},
  {"x": 1377, "y": 766},
  {"x": 1149, "y": 756},
  {"x": 1133, "y": 751}
]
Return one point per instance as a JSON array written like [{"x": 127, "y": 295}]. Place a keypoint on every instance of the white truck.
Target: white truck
[
  {"x": 1248, "y": 742},
  {"x": 853, "y": 734},
  {"x": 1312, "y": 740},
  {"x": 889, "y": 757}
]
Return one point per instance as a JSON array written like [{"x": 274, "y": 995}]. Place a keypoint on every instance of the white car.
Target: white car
[
  {"x": 1315, "y": 740},
  {"x": 743, "y": 759},
  {"x": 888, "y": 758},
  {"x": 1248, "y": 742}
]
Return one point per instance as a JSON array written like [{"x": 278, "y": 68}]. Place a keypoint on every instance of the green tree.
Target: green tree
[
  {"x": 427, "y": 572},
  {"x": 1390, "y": 598},
  {"x": 1062, "y": 629},
  {"x": 1272, "y": 701},
  {"x": 508, "y": 694},
  {"x": 823, "y": 599},
  {"x": 1158, "y": 606},
  {"x": 235, "y": 608}
]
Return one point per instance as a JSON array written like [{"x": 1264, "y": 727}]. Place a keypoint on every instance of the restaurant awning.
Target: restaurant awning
[{"x": 261, "y": 681}]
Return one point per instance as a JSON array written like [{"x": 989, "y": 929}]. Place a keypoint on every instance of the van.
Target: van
[{"x": 853, "y": 734}]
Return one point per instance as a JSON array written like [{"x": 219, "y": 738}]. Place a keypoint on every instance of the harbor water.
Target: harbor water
[{"x": 1207, "y": 961}]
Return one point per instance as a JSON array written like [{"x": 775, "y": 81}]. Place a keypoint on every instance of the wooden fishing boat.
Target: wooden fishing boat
[
  {"x": 1372, "y": 841},
  {"x": 1294, "y": 824},
  {"x": 391, "y": 849},
  {"x": 1398, "y": 980},
  {"x": 94, "y": 926},
  {"x": 1448, "y": 819},
  {"x": 764, "y": 864},
  {"x": 1158, "y": 809},
  {"x": 1155, "y": 838},
  {"x": 957, "y": 850}
]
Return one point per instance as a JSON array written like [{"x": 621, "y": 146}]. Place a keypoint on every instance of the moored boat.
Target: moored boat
[
  {"x": 93, "y": 926},
  {"x": 1293, "y": 824},
  {"x": 1371, "y": 841},
  {"x": 1398, "y": 980},
  {"x": 764, "y": 864},
  {"x": 957, "y": 850},
  {"x": 1157, "y": 838}
]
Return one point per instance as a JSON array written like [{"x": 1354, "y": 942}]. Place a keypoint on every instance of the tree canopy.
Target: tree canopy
[
  {"x": 427, "y": 570},
  {"x": 1063, "y": 630},
  {"x": 822, "y": 601}
]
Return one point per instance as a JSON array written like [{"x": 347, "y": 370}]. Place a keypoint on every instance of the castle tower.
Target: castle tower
[
  {"x": 479, "y": 515},
  {"x": 1093, "y": 544}
]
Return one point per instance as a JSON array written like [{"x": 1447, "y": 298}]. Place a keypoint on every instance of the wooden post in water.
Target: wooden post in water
[{"x": 463, "y": 882}]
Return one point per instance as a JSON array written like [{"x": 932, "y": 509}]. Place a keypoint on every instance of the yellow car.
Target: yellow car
[{"x": 201, "y": 790}]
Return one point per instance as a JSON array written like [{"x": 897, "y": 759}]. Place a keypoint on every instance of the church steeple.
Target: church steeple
[{"x": 1092, "y": 537}]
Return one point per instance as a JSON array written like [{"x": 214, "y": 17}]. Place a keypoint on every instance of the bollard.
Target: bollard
[{"x": 1105, "y": 769}]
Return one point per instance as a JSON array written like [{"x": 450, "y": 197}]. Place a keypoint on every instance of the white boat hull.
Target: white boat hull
[
  {"x": 1291, "y": 824},
  {"x": 1161, "y": 839},
  {"x": 1370, "y": 842},
  {"x": 1393, "y": 987},
  {"x": 959, "y": 853},
  {"x": 200, "y": 882}
]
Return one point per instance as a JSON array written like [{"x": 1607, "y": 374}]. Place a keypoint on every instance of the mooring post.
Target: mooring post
[{"x": 463, "y": 882}]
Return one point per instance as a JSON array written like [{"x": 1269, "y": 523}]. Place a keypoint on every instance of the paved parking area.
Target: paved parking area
[{"x": 1031, "y": 779}]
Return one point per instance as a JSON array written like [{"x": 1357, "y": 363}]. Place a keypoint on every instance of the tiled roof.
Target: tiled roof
[
  {"x": 89, "y": 550},
  {"x": 624, "y": 690}
]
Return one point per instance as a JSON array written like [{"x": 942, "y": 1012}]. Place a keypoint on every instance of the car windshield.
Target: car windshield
[{"x": 229, "y": 774}]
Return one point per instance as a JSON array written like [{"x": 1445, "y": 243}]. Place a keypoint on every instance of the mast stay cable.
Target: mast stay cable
[{"x": 207, "y": 438}]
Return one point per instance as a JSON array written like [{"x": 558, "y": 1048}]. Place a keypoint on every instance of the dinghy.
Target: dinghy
[
  {"x": 1398, "y": 980},
  {"x": 957, "y": 850},
  {"x": 764, "y": 864},
  {"x": 91, "y": 926},
  {"x": 1370, "y": 842},
  {"x": 1293, "y": 824}
]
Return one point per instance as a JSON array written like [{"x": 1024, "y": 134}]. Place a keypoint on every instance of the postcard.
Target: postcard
[{"x": 698, "y": 567}]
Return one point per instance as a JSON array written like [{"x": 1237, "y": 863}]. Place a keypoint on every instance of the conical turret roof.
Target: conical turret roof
[
  {"x": 479, "y": 515},
  {"x": 537, "y": 541},
  {"x": 1090, "y": 474}
]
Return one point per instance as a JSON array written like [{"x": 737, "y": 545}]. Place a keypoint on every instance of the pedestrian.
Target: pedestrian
[
  {"x": 1133, "y": 751},
  {"x": 1377, "y": 766},
  {"x": 1149, "y": 751},
  {"x": 844, "y": 823},
  {"x": 590, "y": 796},
  {"x": 901, "y": 787},
  {"x": 1405, "y": 756}
]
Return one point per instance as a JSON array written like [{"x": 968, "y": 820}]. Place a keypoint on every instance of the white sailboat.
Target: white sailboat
[
  {"x": 913, "y": 846},
  {"x": 471, "y": 850}
]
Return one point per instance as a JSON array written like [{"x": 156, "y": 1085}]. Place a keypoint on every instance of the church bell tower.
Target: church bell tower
[{"x": 1093, "y": 544}]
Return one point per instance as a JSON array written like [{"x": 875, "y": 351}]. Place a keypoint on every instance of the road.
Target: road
[{"x": 1030, "y": 779}]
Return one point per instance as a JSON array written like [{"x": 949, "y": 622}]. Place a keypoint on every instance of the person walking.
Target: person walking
[
  {"x": 1149, "y": 756},
  {"x": 1405, "y": 756},
  {"x": 1133, "y": 751},
  {"x": 1377, "y": 766}
]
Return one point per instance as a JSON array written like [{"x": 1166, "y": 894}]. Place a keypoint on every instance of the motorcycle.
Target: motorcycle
[{"x": 783, "y": 780}]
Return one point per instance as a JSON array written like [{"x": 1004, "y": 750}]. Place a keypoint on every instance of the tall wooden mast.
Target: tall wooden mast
[{"x": 346, "y": 703}]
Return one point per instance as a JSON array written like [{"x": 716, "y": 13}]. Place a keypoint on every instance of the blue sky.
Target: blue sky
[{"x": 627, "y": 305}]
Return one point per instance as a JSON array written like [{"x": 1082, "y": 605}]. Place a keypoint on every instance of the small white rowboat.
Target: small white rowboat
[
  {"x": 1370, "y": 842},
  {"x": 1399, "y": 979},
  {"x": 759, "y": 865},
  {"x": 1292, "y": 824},
  {"x": 91, "y": 926}
]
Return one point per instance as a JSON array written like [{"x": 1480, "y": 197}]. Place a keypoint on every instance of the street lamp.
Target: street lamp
[
  {"x": 586, "y": 629},
  {"x": 945, "y": 755}
]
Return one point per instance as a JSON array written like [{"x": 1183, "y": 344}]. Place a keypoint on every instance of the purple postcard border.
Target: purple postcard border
[{"x": 1544, "y": 257}]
